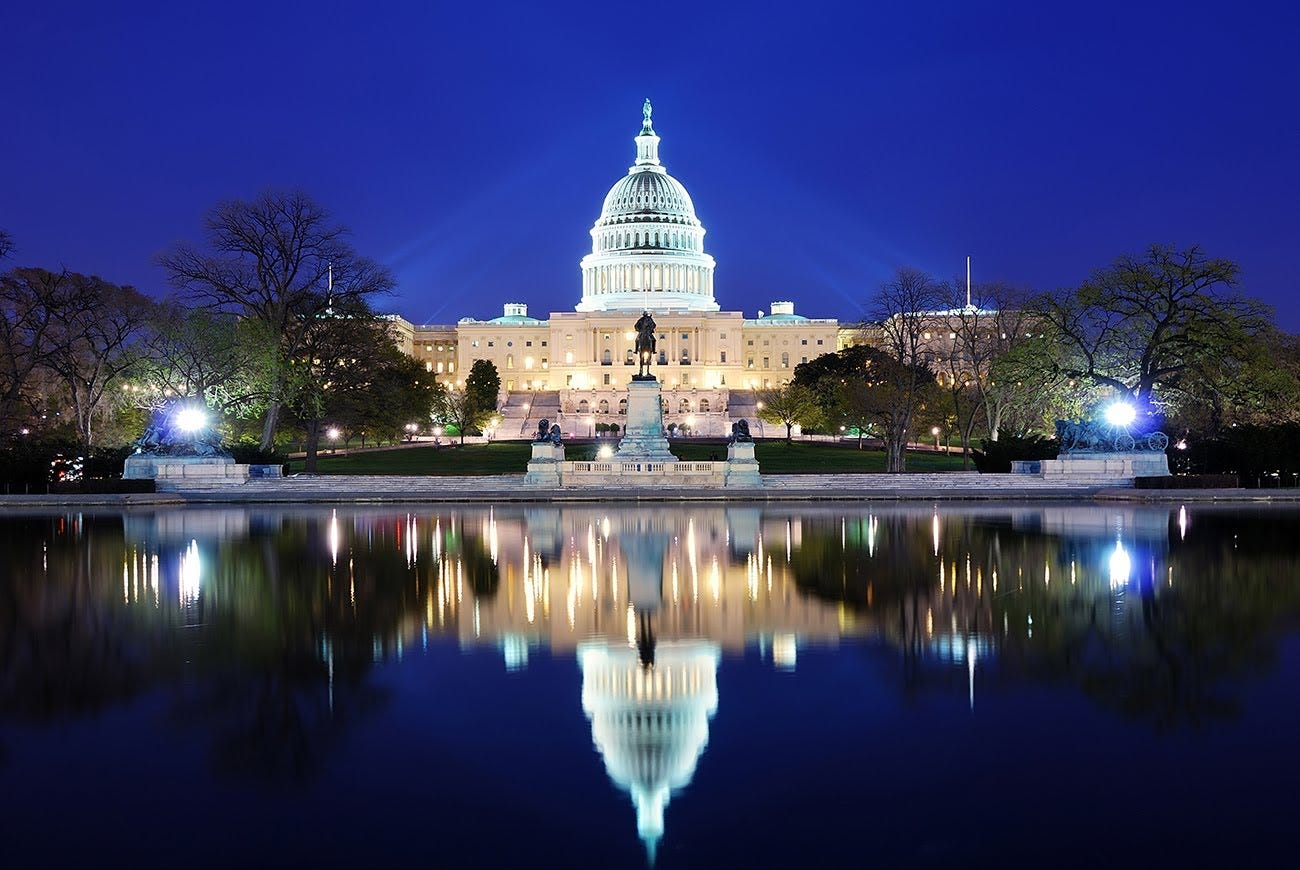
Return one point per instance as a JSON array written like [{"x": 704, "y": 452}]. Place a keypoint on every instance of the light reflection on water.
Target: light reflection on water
[{"x": 272, "y": 626}]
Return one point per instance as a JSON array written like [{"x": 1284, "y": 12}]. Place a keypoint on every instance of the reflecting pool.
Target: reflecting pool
[{"x": 684, "y": 686}]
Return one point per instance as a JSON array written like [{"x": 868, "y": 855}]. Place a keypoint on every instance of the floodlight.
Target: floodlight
[
  {"x": 1120, "y": 414},
  {"x": 191, "y": 419}
]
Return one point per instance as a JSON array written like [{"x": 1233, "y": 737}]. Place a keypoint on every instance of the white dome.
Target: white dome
[
  {"x": 647, "y": 246},
  {"x": 647, "y": 196}
]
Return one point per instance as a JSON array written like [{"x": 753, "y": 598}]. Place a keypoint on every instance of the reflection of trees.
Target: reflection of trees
[
  {"x": 276, "y": 664},
  {"x": 1170, "y": 652},
  {"x": 69, "y": 645}
]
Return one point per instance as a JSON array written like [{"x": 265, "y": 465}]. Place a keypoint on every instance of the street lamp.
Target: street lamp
[
  {"x": 332, "y": 433},
  {"x": 591, "y": 427},
  {"x": 760, "y": 421},
  {"x": 935, "y": 432}
]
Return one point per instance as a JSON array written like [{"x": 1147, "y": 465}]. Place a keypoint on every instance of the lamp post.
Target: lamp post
[
  {"x": 591, "y": 427},
  {"x": 935, "y": 432},
  {"x": 332, "y": 433},
  {"x": 760, "y": 421}
]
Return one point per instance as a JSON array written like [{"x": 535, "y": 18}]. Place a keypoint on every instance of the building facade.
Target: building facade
[{"x": 647, "y": 253}]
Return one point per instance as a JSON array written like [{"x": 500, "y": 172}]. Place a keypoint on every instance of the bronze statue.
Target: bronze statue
[
  {"x": 645, "y": 345},
  {"x": 543, "y": 430},
  {"x": 556, "y": 438},
  {"x": 740, "y": 431}
]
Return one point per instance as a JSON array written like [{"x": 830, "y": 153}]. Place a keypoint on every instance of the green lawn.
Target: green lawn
[{"x": 774, "y": 457}]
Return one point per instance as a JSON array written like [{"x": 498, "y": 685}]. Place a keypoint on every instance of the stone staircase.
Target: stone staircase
[{"x": 522, "y": 410}]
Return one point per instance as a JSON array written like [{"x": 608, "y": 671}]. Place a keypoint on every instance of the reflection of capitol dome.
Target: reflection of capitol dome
[
  {"x": 650, "y": 724},
  {"x": 647, "y": 246}
]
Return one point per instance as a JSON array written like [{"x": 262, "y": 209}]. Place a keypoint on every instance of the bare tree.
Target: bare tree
[
  {"x": 95, "y": 344},
  {"x": 281, "y": 261},
  {"x": 6, "y": 244},
  {"x": 31, "y": 300},
  {"x": 906, "y": 310}
]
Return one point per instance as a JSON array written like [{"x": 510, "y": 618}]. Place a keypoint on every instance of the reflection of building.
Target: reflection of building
[
  {"x": 647, "y": 252},
  {"x": 570, "y": 576},
  {"x": 651, "y": 724}
]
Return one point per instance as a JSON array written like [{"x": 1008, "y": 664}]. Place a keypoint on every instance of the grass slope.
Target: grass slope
[{"x": 774, "y": 457}]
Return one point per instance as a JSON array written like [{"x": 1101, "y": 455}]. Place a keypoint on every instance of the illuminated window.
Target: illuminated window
[
  {"x": 510, "y": 361},
  {"x": 439, "y": 368},
  {"x": 767, "y": 362},
  {"x": 451, "y": 367},
  {"x": 568, "y": 356},
  {"x": 785, "y": 360},
  {"x": 428, "y": 367}
]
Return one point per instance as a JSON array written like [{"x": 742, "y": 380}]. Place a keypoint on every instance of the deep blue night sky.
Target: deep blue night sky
[{"x": 469, "y": 145}]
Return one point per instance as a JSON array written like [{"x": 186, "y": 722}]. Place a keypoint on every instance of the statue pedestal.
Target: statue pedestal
[
  {"x": 1097, "y": 467},
  {"x": 644, "y": 439},
  {"x": 545, "y": 464},
  {"x": 742, "y": 467},
  {"x": 196, "y": 469}
]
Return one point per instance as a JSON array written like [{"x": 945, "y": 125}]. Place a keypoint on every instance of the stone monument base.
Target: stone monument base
[
  {"x": 1096, "y": 466},
  {"x": 544, "y": 467},
  {"x": 192, "y": 469},
  {"x": 742, "y": 467},
  {"x": 644, "y": 439}
]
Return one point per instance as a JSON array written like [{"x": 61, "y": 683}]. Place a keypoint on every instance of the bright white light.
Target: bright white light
[
  {"x": 605, "y": 452},
  {"x": 189, "y": 576},
  {"x": 1120, "y": 414},
  {"x": 191, "y": 419},
  {"x": 1120, "y": 566},
  {"x": 332, "y": 433}
]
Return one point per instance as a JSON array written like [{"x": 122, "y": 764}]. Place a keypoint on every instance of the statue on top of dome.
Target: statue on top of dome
[
  {"x": 645, "y": 345},
  {"x": 645, "y": 114}
]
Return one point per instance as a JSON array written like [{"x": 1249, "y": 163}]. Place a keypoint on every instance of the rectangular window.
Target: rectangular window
[
  {"x": 530, "y": 344},
  {"x": 606, "y": 380},
  {"x": 724, "y": 335},
  {"x": 724, "y": 356},
  {"x": 428, "y": 347},
  {"x": 819, "y": 341},
  {"x": 685, "y": 336},
  {"x": 543, "y": 344},
  {"x": 568, "y": 380},
  {"x": 805, "y": 341},
  {"x": 750, "y": 363},
  {"x": 510, "y": 385},
  {"x": 767, "y": 362},
  {"x": 474, "y": 343},
  {"x": 750, "y": 342},
  {"x": 491, "y": 344},
  {"x": 804, "y": 360}
]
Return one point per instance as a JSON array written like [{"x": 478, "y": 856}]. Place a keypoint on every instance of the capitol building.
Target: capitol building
[{"x": 647, "y": 253}]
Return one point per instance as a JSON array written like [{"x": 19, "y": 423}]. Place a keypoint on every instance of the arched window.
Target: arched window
[
  {"x": 622, "y": 406},
  {"x": 583, "y": 407},
  {"x": 636, "y": 240},
  {"x": 603, "y": 407},
  {"x": 684, "y": 406},
  {"x": 606, "y": 359},
  {"x": 656, "y": 240},
  {"x": 704, "y": 406}
]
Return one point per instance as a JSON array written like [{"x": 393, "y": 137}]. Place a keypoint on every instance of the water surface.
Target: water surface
[{"x": 690, "y": 686}]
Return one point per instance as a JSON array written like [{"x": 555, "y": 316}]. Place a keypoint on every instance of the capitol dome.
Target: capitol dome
[{"x": 647, "y": 246}]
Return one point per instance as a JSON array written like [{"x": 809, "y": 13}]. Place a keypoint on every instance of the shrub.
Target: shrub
[{"x": 996, "y": 456}]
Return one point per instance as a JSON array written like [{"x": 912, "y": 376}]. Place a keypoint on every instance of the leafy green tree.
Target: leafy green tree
[
  {"x": 199, "y": 352},
  {"x": 340, "y": 367},
  {"x": 788, "y": 405},
  {"x": 281, "y": 261},
  {"x": 1152, "y": 327},
  {"x": 483, "y": 385}
]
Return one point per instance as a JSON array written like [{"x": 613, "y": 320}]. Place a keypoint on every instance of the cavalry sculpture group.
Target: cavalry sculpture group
[{"x": 1090, "y": 437}]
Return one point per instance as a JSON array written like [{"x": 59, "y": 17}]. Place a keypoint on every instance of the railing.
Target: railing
[{"x": 649, "y": 472}]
